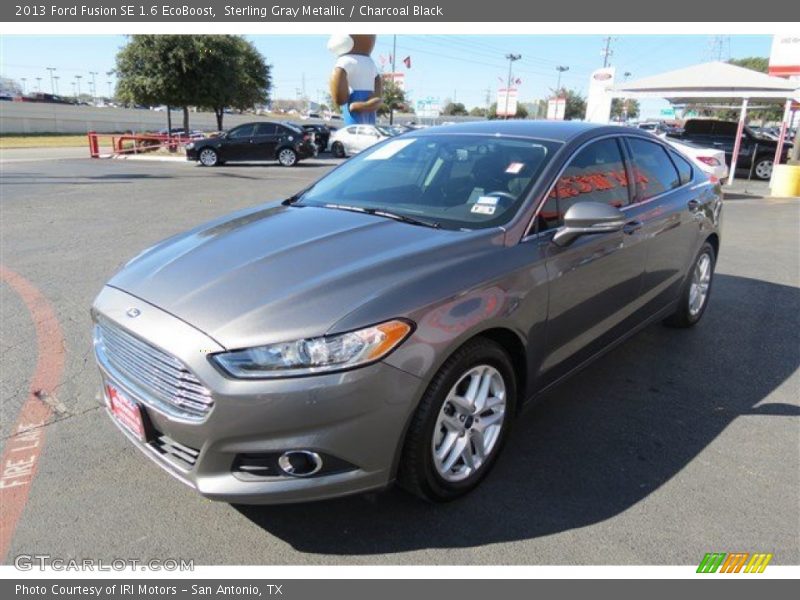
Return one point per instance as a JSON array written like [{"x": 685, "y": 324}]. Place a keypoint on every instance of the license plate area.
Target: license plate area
[{"x": 127, "y": 412}]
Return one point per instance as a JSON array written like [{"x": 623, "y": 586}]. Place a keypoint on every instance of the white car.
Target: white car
[
  {"x": 710, "y": 160},
  {"x": 352, "y": 139}
]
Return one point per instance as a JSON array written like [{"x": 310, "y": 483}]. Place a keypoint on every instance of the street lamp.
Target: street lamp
[
  {"x": 23, "y": 80},
  {"x": 78, "y": 85},
  {"x": 94, "y": 86},
  {"x": 511, "y": 58},
  {"x": 561, "y": 69},
  {"x": 38, "y": 84},
  {"x": 55, "y": 80},
  {"x": 52, "y": 85}
]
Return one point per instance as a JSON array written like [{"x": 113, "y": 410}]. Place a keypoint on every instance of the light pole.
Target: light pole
[
  {"x": 78, "y": 86},
  {"x": 560, "y": 69},
  {"x": 52, "y": 84},
  {"x": 109, "y": 89},
  {"x": 625, "y": 77},
  {"x": 94, "y": 86},
  {"x": 38, "y": 84},
  {"x": 23, "y": 80},
  {"x": 55, "y": 80},
  {"x": 511, "y": 58}
]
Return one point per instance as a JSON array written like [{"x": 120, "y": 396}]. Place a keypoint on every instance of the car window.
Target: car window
[
  {"x": 685, "y": 170},
  {"x": 266, "y": 129},
  {"x": 699, "y": 127},
  {"x": 459, "y": 181},
  {"x": 725, "y": 128},
  {"x": 655, "y": 173},
  {"x": 596, "y": 173},
  {"x": 351, "y": 130},
  {"x": 241, "y": 132}
]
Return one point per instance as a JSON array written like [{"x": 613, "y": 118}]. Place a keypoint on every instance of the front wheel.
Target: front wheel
[
  {"x": 209, "y": 157},
  {"x": 287, "y": 157},
  {"x": 337, "y": 149},
  {"x": 461, "y": 423},
  {"x": 697, "y": 290},
  {"x": 763, "y": 168}
]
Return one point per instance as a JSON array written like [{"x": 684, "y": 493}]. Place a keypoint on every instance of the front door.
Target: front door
[
  {"x": 594, "y": 282},
  {"x": 238, "y": 143}
]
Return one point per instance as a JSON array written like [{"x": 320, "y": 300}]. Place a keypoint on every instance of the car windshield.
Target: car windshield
[
  {"x": 385, "y": 131},
  {"x": 453, "y": 180}
]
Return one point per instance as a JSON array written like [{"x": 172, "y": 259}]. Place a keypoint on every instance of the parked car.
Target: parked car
[
  {"x": 755, "y": 152},
  {"x": 708, "y": 160},
  {"x": 390, "y": 321},
  {"x": 352, "y": 139},
  {"x": 262, "y": 140},
  {"x": 320, "y": 135}
]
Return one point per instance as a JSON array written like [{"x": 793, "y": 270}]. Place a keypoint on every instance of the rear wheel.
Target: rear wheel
[
  {"x": 694, "y": 297},
  {"x": 763, "y": 167},
  {"x": 337, "y": 149},
  {"x": 287, "y": 157},
  {"x": 209, "y": 157},
  {"x": 461, "y": 423}
]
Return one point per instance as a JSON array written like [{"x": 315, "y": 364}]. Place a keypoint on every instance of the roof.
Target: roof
[
  {"x": 710, "y": 80},
  {"x": 550, "y": 130}
]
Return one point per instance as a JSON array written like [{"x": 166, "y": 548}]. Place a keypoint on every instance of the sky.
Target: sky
[{"x": 463, "y": 68}]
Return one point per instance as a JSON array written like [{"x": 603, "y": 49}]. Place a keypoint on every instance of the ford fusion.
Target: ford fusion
[{"x": 389, "y": 322}]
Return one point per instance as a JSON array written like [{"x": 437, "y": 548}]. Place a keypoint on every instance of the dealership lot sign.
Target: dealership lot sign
[{"x": 784, "y": 58}]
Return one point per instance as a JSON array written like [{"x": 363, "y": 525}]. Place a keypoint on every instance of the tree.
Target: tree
[
  {"x": 394, "y": 98},
  {"x": 521, "y": 113},
  {"x": 455, "y": 109},
  {"x": 10, "y": 87},
  {"x": 209, "y": 71},
  {"x": 477, "y": 111},
  {"x": 754, "y": 63},
  {"x": 576, "y": 104},
  {"x": 623, "y": 109}
]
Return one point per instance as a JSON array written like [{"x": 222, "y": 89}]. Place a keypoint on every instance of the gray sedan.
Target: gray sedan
[{"x": 389, "y": 322}]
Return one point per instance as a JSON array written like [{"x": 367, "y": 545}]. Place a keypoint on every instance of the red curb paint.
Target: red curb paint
[{"x": 20, "y": 456}]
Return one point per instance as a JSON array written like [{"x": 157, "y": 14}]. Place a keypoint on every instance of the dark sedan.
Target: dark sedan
[
  {"x": 260, "y": 141},
  {"x": 389, "y": 322}
]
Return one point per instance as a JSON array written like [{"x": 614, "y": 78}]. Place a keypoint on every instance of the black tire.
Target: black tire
[
  {"x": 208, "y": 157},
  {"x": 416, "y": 471},
  {"x": 762, "y": 169},
  {"x": 337, "y": 149},
  {"x": 684, "y": 316},
  {"x": 287, "y": 157}
]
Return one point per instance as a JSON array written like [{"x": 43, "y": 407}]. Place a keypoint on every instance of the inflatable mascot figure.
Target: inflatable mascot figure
[{"x": 356, "y": 86}]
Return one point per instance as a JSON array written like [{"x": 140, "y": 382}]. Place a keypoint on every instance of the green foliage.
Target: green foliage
[
  {"x": 455, "y": 109},
  {"x": 624, "y": 107},
  {"x": 754, "y": 63},
  {"x": 478, "y": 111},
  {"x": 207, "y": 71},
  {"x": 522, "y": 112},
  {"x": 394, "y": 98}
]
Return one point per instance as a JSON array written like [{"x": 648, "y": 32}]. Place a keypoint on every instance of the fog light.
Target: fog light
[{"x": 300, "y": 463}]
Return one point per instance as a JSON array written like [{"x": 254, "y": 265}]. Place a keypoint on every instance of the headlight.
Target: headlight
[
  {"x": 190, "y": 145},
  {"x": 315, "y": 355}
]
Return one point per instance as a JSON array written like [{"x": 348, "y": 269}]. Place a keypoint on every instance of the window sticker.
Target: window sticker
[
  {"x": 390, "y": 149},
  {"x": 515, "y": 167},
  {"x": 488, "y": 200},
  {"x": 483, "y": 209},
  {"x": 474, "y": 195}
]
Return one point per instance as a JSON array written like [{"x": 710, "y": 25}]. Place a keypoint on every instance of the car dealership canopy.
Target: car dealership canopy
[{"x": 715, "y": 82}]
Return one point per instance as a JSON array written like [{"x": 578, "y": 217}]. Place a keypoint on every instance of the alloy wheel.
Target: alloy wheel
[
  {"x": 698, "y": 289},
  {"x": 287, "y": 157},
  {"x": 763, "y": 169},
  {"x": 208, "y": 157},
  {"x": 469, "y": 423}
]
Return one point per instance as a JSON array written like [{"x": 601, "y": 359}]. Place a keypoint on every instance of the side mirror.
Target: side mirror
[{"x": 584, "y": 218}]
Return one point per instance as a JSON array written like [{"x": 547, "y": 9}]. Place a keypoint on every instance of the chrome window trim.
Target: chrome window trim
[{"x": 529, "y": 236}]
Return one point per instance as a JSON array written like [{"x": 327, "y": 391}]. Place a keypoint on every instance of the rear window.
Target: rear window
[
  {"x": 683, "y": 166},
  {"x": 703, "y": 127},
  {"x": 655, "y": 173}
]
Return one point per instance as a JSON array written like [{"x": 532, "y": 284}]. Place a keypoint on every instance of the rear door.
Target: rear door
[
  {"x": 594, "y": 282},
  {"x": 664, "y": 209},
  {"x": 264, "y": 142}
]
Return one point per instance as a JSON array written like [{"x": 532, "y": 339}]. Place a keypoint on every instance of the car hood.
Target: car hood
[{"x": 278, "y": 273}]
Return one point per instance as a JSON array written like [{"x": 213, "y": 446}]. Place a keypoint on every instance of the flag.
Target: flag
[
  {"x": 407, "y": 62},
  {"x": 518, "y": 81}
]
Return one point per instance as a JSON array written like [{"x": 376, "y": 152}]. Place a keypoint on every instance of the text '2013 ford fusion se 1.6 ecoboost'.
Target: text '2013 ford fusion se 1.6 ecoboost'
[{"x": 389, "y": 322}]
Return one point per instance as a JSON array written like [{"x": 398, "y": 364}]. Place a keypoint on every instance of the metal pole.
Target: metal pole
[
  {"x": 52, "y": 85},
  {"x": 738, "y": 142},
  {"x": 784, "y": 125},
  {"x": 511, "y": 58},
  {"x": 394, "y": 63}
]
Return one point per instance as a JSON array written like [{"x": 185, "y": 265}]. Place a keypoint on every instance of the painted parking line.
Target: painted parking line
[{"x": 20, "y": 456}]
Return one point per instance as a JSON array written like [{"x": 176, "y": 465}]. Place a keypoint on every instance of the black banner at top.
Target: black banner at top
[{"x": 254, "y": 11}]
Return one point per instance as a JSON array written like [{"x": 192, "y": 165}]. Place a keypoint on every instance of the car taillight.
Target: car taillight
[{"x": 709, "y": 160}]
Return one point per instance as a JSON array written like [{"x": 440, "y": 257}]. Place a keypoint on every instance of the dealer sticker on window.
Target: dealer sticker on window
[
  {"x": 389, "y": 149},
  {"x": 483, "y": 209}
]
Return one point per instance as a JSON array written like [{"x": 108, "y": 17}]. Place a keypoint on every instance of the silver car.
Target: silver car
[{"x": 389, "y": 322}]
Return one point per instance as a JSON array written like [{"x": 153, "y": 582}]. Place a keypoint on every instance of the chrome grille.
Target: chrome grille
[{"x": 169, "y": 385}]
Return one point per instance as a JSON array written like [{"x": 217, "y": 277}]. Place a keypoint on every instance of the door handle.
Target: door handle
[
  {"x": 693, "y": 205},
  {"x": 632, "y": 227}
]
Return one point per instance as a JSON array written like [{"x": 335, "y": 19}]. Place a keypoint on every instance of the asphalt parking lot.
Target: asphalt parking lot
[{"x": 675, "y": 444}]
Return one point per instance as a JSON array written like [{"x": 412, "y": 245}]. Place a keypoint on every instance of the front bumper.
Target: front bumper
[{"x": 356, "y": 417}]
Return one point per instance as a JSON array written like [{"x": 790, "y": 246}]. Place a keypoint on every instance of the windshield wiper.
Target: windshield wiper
[{"x": 381, "y": 212}]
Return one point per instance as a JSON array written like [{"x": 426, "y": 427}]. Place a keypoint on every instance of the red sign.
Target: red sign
[{"x": 125, "y": 411}]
